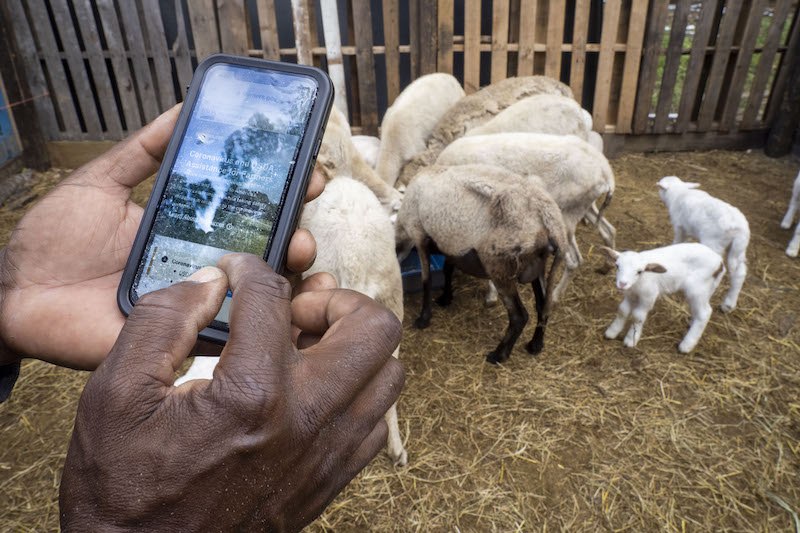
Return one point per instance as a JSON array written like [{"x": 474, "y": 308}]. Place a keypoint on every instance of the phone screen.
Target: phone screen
[{"x": 227, "y": 183}]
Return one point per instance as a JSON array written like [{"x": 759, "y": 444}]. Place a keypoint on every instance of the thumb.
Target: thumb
[{"x": 162, "y": 329}]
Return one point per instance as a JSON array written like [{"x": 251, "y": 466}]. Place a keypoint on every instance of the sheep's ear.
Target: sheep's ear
[
  {"x": 480, "y": 188},
  {"x": 610, "y": 253},
  {"x": 691, "y": 185},
  {"x": 655, "y": 267}
]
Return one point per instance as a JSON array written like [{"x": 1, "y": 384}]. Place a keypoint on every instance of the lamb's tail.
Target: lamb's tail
[{"x": 608, "y": 175}]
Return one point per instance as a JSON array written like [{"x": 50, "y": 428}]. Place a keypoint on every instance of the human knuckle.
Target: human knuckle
[
  {"x": 382, "y": 325},
  {"x": 267, "y": 284}
]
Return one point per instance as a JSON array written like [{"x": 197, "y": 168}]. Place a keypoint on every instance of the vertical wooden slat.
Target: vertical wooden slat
[
  {"x": 119, "y": 62},
  {"x": 499, "y": 40},
  {"x": 366, "y": 66},
  {"x": 180, "y": 51},
  {"x": 91, "y": 41},
  {"x": 555, "y": 38},
  {"x": 695, "y": 67},
  {"x": 413, "y": 37},
  {"x": 742, "y": 66},
  {"x": 302, "y": 32},
  {"x": 578, "y": 66},
  {"x": 765, "y": 62},
  {"x": 428, "y": 38},
  {"x": 527, "y": 36},
  {"x": 233, "y": 27},
  {"x": 311, "y": 9},
  {"x": 203, "y": 19},
  {"x": 513, "y": 34},
  {"x": 445, "y": 15},
  {"x": 633, "y": 57},
  {"x": 33, "y": 70},
  {"x": 671, "y": 64},
  {"x": 141, "y": 67},
  {"x": 157, "y": 38},
  {"x": 55, "y": 69},
  {"x": 722, "y": 53},
  {"x": 333, "y": 51},
  {"x": 787, "y": 64},
  {"x": 392, "y": 56},
  {"x": 268, "y": 26},
  {"x": 605, "y": 63},
  {"x": 649, "y": 68},
  {"x": 472, "y": 41}
]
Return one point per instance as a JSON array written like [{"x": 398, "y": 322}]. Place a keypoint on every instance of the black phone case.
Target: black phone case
[{"x": 294, "y": 196}]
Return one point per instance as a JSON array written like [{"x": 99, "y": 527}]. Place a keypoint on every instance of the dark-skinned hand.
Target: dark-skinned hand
[{"x": 263, "y": 446}]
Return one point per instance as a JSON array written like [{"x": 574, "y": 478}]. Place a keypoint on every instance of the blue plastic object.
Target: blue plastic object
[{"x": 412, "y": 272}]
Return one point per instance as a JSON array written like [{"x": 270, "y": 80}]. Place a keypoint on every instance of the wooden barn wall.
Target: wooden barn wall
[{"x": 100, "y": 69}]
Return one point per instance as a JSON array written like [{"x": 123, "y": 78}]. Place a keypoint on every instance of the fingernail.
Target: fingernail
[{"x": 205, "y": 274}]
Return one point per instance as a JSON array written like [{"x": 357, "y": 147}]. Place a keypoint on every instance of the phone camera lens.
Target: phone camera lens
[{"x": 164, "y": 259}]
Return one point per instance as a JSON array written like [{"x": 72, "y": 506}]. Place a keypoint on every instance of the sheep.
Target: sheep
[
  {"x": 691, "y": 268},
  {"x": 717, "y": 224},
  {"x": 794, "y": 204},
  {"x": 568, "y": 168},
  {"x": 368, "y": 147},
  {"x": 338, "y": 118},
  {"x": 477, "y": 109},
  {"x": 338, "y": 157},
  {"x": 355, "y": 243},
  {"x": 409, "y": 121},
  {"x": 490, "y": 223}
]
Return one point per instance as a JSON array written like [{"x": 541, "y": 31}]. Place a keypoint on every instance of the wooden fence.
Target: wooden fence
[{"x": 99, "y": 69}]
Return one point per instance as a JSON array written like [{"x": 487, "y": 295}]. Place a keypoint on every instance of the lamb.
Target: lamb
[
  {"x": 477, "y": 109},
  {"x": 794, "y": 204},
  {"x": 568, "y": 168},
  {"x": 717, "y": 224},
  {"x": 355, "y": 242},
  {"x": 410, "y": 120},
  {"x": 338, "y": 118},
  {"x": 691, "y": 268},
  {"x": 368, "y": 147},
  {"x": 490, "y": 223},
  {"x": 338, "y": 157}
]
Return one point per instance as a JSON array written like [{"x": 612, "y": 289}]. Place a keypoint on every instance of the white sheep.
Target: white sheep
[
  {"x": 477, "y": 109},
  {"x": 568, "y": 168},
  {"x": 794, "y": 205},
  {"x": 338, "y": 118},
  {"x": 368, "y": 148},
  {"x": 489, "y": 223},
  {"x": 691, "y": 268},
  {"x": 717, "y": 224},
  {"x": 410, "y": 120},
  {"x": 355, "y": 243}
]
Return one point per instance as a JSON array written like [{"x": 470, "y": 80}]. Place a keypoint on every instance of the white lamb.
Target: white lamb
[
  {"x": 794, "y": 204},
  {"x": 355, "y": 243},
  {"x": 368, "y": 148},
  {"x": 409, "y": 122},
  {"x": 691, "y": 268},
  {"x": 717, "y": 224}
]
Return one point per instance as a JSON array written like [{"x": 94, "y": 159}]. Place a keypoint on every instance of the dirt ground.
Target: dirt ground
[{"x": 589, "y": 435}]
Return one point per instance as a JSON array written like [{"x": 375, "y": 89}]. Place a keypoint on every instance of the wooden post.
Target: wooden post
[
  {"x": 779, "y": 140},
  {"x": 333, "y": 50}
]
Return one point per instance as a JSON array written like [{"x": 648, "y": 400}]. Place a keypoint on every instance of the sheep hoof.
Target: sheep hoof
[
  {"x": 685, "y": 347},
  {"x": 786, "y": 225},
  {"x": 535, "y": 346},
  {"x": 444, "y": 300},
  {"x": 496, "y": 357},
  {"x": 792, "y": 252},
  {"x": 726, "y": 307},
  {"x": 422, "y": 322},
  {"x": 401, "y": 460},
  {"x": 490, "y": 302}
]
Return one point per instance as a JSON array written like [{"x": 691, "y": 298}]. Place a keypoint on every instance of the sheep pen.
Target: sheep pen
[{"x": 587, "y": 436}]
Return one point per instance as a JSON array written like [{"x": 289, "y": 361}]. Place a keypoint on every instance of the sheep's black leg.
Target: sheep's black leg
[
  {"x": 537, "y": 342},
  {"x": 447, "y": 296},
  {"x": 517, "y": 318},
  {"x": 424, "y": 318}
]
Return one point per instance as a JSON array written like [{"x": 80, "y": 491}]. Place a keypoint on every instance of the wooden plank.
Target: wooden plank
[
  {"x": 445, "y": 14},
  {"x": 391, "y": 39},
  {"x": 671, "y": 64},
  {"x": 180, "y": 51},
  {"x": 742, "y": 67},
  {"x": 649, "y": 68},
  {"x": 141, "y": 66},
  {"x": 555, "y": 38},
  {"x": 333, "y": 51},
  {"x": 203, "y": 19},
  {"x": 233, "y": 27},
  {"x": 413, "y": 37},
  {"x": 630, "y": 73},
  {"x": 787, "y": 64},
  {"x": 157, "y": 39},
  {"x": 722, "y": 53},
  {"x": 119, "y": 63},
  {"x": 472, "y": 51},
  {"x": 578, "y": 60},
  {"x": 355, "y": 100},
  {"x": 527, "y": 36},
  {"x": 620, "y": 144},
  {"x": 268, "y": 27},
  {"x": 499, "y": 40},
  {"x": 302, "y": 32},
  {"x": 428, "y": 38},
  {"x": 513, "y": 35},
  {"x": 366, "y": 66},
  {"x": 55, "y": 69},
  {"x": 605, "y": 63},
  {"x": 759, "y": 84},
  {"x": 695, "y": 67},
  {"x": 26, "y": 47},
  {"x": 97, "y": 62}
]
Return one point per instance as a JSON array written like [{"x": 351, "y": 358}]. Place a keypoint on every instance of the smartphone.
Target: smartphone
[{"x": 234, "y": 176}]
